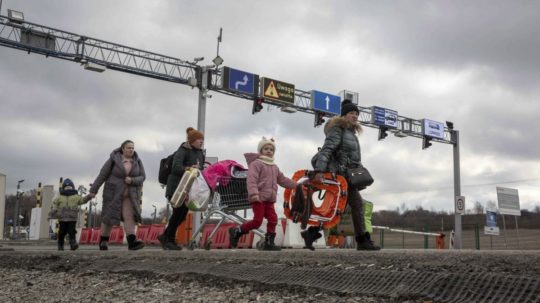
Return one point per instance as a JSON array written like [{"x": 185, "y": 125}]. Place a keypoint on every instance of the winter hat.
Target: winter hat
[
  {"x": 264, "y": 142},
  {"x": 347, "y": 106},
  {"x": 193, "y": 134},
  {"x": 68, "y": 183}
]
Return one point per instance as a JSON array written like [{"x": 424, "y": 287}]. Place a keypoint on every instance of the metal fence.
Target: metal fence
[{"x": 473, "y": 237}]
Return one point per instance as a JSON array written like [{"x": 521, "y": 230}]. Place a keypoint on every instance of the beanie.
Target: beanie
[
  {"x": 347, "y": 106},
  {"x": 264, "y": 142},
  {"x": 193, "y": 134},
  {"x": 68, "y": 183}
]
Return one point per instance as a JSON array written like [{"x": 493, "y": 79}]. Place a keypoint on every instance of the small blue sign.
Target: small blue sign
[
  {"x": 239, "y": 81},
  {"x": 324, "y": 102},
  {"x": 384, "y": 117},
  {"x": 491, "y": 218}
]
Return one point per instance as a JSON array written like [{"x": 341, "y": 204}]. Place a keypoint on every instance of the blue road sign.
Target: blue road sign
[
  {"x": 324, "y": 102},
  {"x": 491, "y": 218},
  {"x": 384, "y": 117},
  {"x": 239, "y": 81}
]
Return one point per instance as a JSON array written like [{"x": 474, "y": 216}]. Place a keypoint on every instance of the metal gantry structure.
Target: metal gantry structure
[{"x": 98, "y": 55}]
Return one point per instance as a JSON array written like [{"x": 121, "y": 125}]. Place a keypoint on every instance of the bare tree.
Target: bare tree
[{"x": 478, "y": 208}]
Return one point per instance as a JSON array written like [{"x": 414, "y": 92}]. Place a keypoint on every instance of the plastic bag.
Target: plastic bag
[{"x": 199, "y": 194}]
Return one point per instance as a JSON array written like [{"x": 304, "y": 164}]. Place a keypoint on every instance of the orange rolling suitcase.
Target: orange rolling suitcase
[{"x": 331, "y": 193}]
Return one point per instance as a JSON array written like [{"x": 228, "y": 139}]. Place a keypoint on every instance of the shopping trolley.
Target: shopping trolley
[{"x": 229, "y": 196}]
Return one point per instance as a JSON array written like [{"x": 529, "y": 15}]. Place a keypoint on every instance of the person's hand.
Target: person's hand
[
  {"x": 128, "y": 180},
  {"x": 318, "y": 177},
  {"x": 91, "y": 195},
  {"x": 255, "y": 198}
]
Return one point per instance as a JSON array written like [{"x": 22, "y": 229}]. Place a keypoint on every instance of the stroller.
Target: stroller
[
  {"x": 227, "y": 194},
  {"x": 299, "y": 206}
]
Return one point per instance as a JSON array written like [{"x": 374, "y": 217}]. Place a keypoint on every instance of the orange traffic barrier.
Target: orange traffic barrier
[
  {"x": 142, "y": 232},
  {"x": 95, "y": 235},
  {"x": 341, "y": 241},
  {"x": 245, "y": 241},
  {"x": 154, "y": 232},
  {"x": 184, "y": 231},
  {"x": 440, "y": 241},
  {"x": 86, "y": 233},
  {"x": 221, "y": 237},
  {"x": 117, "y": 235}
]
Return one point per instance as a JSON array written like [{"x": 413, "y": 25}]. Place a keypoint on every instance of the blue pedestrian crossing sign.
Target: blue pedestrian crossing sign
[
  {"x": 238, "y": 81},
  {"x": 325, "y": 102}
]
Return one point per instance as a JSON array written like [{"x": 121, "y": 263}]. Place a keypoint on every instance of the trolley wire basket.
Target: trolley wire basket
[{"x": 229, "y": 196}]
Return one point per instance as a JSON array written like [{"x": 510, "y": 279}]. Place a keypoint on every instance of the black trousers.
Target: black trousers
[
  {"x": 178, "y": 216},
  {"x": 355, "y": 202},
  {"x": 66, "y": 228}
]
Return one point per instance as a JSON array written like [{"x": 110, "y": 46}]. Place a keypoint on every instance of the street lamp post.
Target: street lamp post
[
  {"x": 155, "y": 213},
  {"x": 16, "y": 211}
]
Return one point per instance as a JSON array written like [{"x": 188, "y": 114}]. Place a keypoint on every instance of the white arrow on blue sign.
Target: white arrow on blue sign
[
  {"x": 324, "y": 102},
  {"x": 240, "y": 81}
]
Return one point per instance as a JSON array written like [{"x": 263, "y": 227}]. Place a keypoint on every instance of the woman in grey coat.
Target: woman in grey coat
[
  {"x": 123, "y": 175},
  {"x": 341, "y": 150}
]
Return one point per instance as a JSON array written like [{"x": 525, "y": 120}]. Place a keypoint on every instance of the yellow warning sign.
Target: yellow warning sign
[
  {"x": 271, "y": 91},
  {"x": 278, "y": 90}
]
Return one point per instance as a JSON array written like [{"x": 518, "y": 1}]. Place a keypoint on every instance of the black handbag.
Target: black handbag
[{"x": 359, "y": 177}]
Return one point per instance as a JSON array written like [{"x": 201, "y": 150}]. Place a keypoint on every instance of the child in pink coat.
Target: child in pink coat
[{"x": 262, "y": 184}]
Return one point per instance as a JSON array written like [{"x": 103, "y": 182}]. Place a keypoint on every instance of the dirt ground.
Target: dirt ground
[{"x": 292, "y": 275}]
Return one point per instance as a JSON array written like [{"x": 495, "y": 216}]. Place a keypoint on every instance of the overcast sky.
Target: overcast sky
[{"x": 473, "y": 63}]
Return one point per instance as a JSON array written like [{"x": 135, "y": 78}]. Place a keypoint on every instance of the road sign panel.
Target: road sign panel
[
  {"x": 324, "y": 102},
  {"x": 384, "y": 117},
  {"x": 460, "y": 205},
  {"x": 278, "y": 90},
  {"x": 493, "y": 231},
  {"x": 433, "y": 129},
  {"x": 239, "y": 81},
  {"x": 491, "y": 218},
  {"x": 508, "y": 199}
]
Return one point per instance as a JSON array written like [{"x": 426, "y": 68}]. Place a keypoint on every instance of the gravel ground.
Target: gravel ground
[
  {"x": 152, "y": 275},
  {"x": 47, "y": 286}
]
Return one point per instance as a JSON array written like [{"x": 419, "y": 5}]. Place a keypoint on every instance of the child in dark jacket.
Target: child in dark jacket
[
  {"x": 262, "y": 183},
  {"x": 65, "y": 208}
]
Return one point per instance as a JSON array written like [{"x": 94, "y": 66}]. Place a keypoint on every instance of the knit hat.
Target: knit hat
[
  {"x": 68, "y": 183},
  {"x": 264, "y": 142},
  {"x": 193, "y": 134},
  {"x": 347, "y": 106}
]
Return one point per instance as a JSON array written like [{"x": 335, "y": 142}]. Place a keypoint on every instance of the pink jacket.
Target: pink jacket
[{"x": 263, "y": 179}]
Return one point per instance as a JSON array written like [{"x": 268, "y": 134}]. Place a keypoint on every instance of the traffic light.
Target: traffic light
[
  {"x": 426, "y": 142},
  {"x": 319, "y": 119},
  {"x": 382, "y": 133},
  {"x": 257, "y": 105},
  {"x": 85, "y": 218}
]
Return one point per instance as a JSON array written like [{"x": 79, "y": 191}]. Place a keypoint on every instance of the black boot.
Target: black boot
[
  {"x": 103, "y": 243},
  {"x": 60, "y": 246},
  {"x": 235, "y": 233},
  {"x": 363, "y": 242},
  {"x": 310, "y": 235},
  {"x": 269, "y": 243},
  {"x": 133, "y": 243},
  {"x": 73, "y": 244},
  {"x": 167, "y": 243}
]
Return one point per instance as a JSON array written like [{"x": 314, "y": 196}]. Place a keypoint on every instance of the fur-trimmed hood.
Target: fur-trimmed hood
[{"x": 342, "y": 123}]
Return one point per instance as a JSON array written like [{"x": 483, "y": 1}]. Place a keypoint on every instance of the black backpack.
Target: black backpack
[{"x": 165, "y": 166}]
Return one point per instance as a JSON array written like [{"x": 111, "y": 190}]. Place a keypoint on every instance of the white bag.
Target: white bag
[{"x": 199, "y": 194}]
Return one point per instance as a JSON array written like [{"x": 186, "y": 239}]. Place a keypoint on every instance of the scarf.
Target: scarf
[{"x": 266, "y": 160}]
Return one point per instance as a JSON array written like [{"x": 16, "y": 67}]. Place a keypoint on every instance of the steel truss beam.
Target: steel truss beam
[{"x": 82, "y": 49}]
